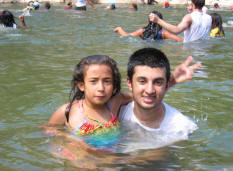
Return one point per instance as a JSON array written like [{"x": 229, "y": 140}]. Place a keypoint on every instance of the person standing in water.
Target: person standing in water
[
  {"x": 152, "y": 31},
  {"x": 195, "y": 25},
  {"x": 81, "y": 5}
]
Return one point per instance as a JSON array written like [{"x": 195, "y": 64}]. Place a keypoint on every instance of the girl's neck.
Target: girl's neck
[{"x": 94, "y": 110}]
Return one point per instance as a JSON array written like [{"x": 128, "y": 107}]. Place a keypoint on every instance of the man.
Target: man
[
  {"x": 195, "y": 25},
  {"x": 147, "y": 79}
]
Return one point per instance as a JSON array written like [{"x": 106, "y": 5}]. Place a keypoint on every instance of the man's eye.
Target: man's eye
[{"x": 159, "y": 82}]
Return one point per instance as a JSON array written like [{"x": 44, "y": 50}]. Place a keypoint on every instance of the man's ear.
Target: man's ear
[
  {"x": 80, "y": 86},
  {"x": 129, "y": 83}
]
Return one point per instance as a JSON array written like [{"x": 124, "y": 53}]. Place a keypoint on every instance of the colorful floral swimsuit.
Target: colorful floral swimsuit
[{"x": 86, "y": 128}]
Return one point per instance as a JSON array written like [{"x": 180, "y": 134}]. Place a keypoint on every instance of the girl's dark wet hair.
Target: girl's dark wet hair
[
  {"x": 217, "y": 22},
  {"x": 152, "y": 29},
  {"x": 78, "y": 77},
  {"x": 7, "y": 19}
]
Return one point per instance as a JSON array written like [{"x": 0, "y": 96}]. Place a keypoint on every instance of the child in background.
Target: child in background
[
  {"x": 69, "y": 5},
  {"x": 7, "y": 20},
  {"x": 216, "y": 27},
  {"x": 96, "y": 97}
]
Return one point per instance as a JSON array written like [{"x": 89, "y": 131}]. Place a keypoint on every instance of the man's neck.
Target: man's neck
[{"x": 150, "y": 118}]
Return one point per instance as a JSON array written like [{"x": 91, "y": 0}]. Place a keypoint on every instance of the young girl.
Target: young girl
[
  {"x": 151, "y": 31},
  {"x": 216, "y": 28},
  {"x": 95, "y": 97},
  {"x": 7, "y": 20}
]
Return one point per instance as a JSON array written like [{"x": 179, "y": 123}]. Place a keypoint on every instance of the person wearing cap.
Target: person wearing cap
[{"x": 111, "y": 6}]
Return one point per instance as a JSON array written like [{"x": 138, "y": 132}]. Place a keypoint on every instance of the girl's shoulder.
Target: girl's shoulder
[{"x": 76, "y": 115}]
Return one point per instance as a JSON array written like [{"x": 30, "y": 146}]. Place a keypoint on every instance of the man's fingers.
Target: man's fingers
[
  {"x": 196, "y": 66},
  {"x": 188, "y": 61}
]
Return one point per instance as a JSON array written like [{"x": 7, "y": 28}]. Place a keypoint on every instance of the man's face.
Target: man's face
[{"x": 148, "y": 86}]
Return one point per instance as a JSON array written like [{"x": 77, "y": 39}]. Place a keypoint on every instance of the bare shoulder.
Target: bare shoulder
[{"x": 58, "y": 116}]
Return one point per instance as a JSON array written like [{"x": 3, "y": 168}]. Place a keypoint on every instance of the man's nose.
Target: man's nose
[{"x": 150, "y": 88}]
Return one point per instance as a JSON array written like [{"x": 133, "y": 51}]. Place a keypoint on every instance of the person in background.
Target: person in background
[
  {"x": 111, "y": 6},
  {"x": 216, "y": 6},
  {"x": 47, "y": 5},
  {"x": 195, "y": 25},
  {"x": 36, "y": 5},
  {"x": 216, "y": 28},
  {"x": 133, "y": 7},
  {"x": 7, "y": 20},
  {"x": 81, "y": 5},
  {"x": 167, "y": 5},
  {"x": 151, "y": 31},
  {"x": 68, "y": 6},
  {"x": 29, "y": 7}
]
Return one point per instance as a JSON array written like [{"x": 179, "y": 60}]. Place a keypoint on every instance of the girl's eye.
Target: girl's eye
[{"x": 108, "y": 81}]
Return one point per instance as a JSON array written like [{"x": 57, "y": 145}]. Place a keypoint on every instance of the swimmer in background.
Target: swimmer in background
[
  {"x": 7, "y": 20},
  {"x": 151, "y": 31},
  {"x": 47, "y": 6},
  {"x": 216, "y": 6},
  {"x": 167, "y": 5},
  {"x": 29, "y": 7},
  {"x": 216, "y": 27},
  {"x": 68, "y": 6},
  {"x": 133, "y": 7},
  {"x": 111, "y": 6},
  {"x": 81, "y": 5},
  {"x": 36, "y": 5}
]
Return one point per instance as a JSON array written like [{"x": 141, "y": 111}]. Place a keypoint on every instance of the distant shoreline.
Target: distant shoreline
[{"x": 209, "y": 3}]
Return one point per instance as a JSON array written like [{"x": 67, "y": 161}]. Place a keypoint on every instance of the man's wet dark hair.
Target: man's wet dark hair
[{"x": 150, "y": 57}]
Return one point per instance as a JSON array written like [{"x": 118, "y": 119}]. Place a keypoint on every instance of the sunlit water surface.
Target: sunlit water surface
[{"x": 35, "y": 71}]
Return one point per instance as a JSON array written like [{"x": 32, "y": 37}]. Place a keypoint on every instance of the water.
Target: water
[{"x": 36, "y": 66}]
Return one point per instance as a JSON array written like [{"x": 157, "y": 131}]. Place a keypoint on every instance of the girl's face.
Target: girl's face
[{"x": 98, "y": 84}]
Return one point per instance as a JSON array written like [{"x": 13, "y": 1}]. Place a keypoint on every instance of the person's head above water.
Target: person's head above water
[
  {"x": 81, "y": 68},
  {"x": 152, "y": 29},
  {"x": 198, "y": 3},
  {"x": 217, "y": 22},
  {"x": 150, "y": 57},
  {"x": 133, "y": 7},
  {"x": 7, "y": 18},
  {"x": 166, "y": 4},
  {"x": 47, "y": 5}
]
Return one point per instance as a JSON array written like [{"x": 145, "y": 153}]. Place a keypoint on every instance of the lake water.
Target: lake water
[{"x": 35, "y": 71}]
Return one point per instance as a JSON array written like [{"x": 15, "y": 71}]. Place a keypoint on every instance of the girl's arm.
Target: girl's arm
[
  {"x": 59, "y": 118},
  {"x": 138, "y": 32},
  {"x": 118, "y": 100},
  {"x": 168, "y": 35}
]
